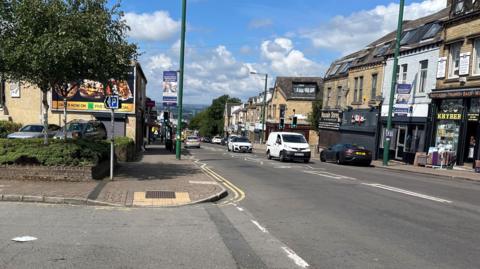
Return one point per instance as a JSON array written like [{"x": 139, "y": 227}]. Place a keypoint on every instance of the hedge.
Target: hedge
[
  {"x": 124, "y": 149},
  {"x": 8, "y": 127},
  {"x": 57, "y": 153}
]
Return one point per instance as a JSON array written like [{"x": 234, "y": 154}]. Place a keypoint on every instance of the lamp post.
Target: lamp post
[
  {"x": 262, "y": 133},
  {"x": 178, "y": 144},
  {"x": 386, "y": 143}
]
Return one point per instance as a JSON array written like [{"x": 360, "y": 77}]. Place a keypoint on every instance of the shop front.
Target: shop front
[
  {"x": 359, "y": 126},
  {"x": 457, "y": 128},
  {"x": 328, "y": 128}
]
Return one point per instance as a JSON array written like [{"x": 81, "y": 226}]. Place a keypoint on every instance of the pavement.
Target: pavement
[{"x": 175, "y": 183}]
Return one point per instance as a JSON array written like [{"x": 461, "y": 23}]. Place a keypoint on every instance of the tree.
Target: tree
[
  {"x": 314, "y": 117},
  {"x": 51, "y": 43},
  {"x": 210, "y": 121}
]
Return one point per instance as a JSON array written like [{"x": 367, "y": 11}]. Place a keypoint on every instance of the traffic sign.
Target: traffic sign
[{"x": 112, "y": 102}]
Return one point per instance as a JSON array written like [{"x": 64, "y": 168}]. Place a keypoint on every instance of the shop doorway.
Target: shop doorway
[
  {"x": 470, "y": 142},
  {"x": 401, "y": 142}
]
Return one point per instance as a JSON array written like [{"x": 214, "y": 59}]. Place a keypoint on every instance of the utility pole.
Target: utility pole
[
  {"x": 388, "y": 133},
  {"x": 178, "y": 145},
  {"x": 262, "y": 132}
]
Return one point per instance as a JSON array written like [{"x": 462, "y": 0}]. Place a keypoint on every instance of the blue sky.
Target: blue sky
[{"x": 226, "y": 39}]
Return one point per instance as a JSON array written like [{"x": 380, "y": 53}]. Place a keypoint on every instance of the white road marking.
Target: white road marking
[
  {"x": 260, "y": 227},
  {"x": 329, "y": 175},
  {"x": 240, "y": 209},
  {"x": 297, "y": 259},
  {"x": 203, "y": 182},
  {"x": 416, "y": 194}
]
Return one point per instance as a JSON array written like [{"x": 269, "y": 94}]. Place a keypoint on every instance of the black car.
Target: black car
[{"x": 346, "y": 153}]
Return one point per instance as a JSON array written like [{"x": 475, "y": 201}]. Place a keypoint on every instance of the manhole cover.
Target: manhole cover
[{"x": 160, "y": 195}]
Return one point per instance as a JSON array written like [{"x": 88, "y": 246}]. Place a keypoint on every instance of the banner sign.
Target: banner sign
[
  {"x": 464, "y": 67},
  {"x": 330, "y": 119},
  {"x": 170, "y": 86},
  {"x": 401, "y": 106},
  {"x": 89, "y": 96},
  {"x": 441, "y": 67}
]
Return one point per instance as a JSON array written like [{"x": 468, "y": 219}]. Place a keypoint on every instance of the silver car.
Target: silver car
[{"x": 33, "y": 131}]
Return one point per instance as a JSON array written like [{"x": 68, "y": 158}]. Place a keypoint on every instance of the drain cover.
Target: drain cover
[{"x": 160, "y": 195}]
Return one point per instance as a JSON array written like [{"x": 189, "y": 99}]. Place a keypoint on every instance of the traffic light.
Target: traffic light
[
  {"x": 282, "y": 124},
  {"x": 166, "y": 116},
  {"x": 294, "y": 122}
]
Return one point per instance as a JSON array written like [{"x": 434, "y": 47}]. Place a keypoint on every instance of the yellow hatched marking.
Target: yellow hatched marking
[{"x": 140, "y": 200}]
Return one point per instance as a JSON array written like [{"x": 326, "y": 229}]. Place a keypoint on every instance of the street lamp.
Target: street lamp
[
  {"x": 178, "y": 144},
  {"x": 262, "y": 133}
]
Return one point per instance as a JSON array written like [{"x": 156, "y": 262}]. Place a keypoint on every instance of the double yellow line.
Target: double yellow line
[{"x": 238, "y": 194}]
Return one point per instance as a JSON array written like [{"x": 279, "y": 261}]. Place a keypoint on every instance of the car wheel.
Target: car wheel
[
  {"x": 306, "y": 160},
  {"x": 282, "y": 156},
  {"x": 268, "y": 155},
  {"x": 228, "y": 149},
  {"x": 322, "y": 158}
]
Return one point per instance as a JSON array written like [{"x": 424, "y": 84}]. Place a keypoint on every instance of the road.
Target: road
[{"x": 278, "y": 215}]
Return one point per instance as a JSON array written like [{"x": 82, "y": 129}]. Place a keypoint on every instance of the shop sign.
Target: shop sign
[
  {"x": 454, "y": 93},
  {"x": 401, "y": 106},
  {"x": 329, "y": 119},
  {"x": 473, "y": 117},
  {"x": 449, "y": 116}
]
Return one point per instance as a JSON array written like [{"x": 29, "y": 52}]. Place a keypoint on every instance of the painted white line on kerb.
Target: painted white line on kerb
[
  {"x": 260, "y": 227},
  {"x": 385, "y": 187},
  {"x": 297, "y": 259}
]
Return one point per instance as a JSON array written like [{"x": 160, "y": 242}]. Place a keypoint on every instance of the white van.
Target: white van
[{"x": 288, "y": 146}]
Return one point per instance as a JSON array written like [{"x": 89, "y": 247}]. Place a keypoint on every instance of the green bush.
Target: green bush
[
  {"x": 124, "y": 149},
  {"x": 57, "y": 153},
  {"x": 8, "y": 127}
]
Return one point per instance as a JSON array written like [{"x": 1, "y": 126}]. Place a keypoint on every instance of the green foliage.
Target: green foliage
[
  {"x": 124, "y": 149},
  {"x": 8, "y": 127},
  {"x": 56, "y": 153},
  {"x": 123, "y": 141},
  {"x": 210, "y": 121},
  {"x": 314, "y": 117}
]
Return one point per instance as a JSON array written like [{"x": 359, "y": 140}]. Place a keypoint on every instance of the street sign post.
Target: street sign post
[{"x": 112, "y": 102}]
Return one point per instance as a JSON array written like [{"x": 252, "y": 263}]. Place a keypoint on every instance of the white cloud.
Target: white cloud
[
  {"x": 349, "y": 33},
  {"x": 260, "y": 23},
  {"x": 152, "y": 26},
  {"x": 286, "y": 61}
]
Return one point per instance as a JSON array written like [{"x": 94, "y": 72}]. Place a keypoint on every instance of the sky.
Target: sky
[{"x": 228, "y": 39}]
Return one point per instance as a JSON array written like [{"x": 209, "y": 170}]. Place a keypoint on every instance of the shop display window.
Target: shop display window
[{"x": 448, "y": 132}]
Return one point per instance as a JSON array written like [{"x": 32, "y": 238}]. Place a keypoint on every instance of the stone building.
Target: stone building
[
  {"x": 22, "y": 103},
  {"x": 293, "y": 98},
  {"x": 456, "y": 99}
]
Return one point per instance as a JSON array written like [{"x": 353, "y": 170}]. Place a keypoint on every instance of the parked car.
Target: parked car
[
  {"x": 217, "y": 140},
  {"x": 192, "y": 141},
  {"x": 288, "y": 146},
  {"x": 240, "y": 144},
  {"x": 346, "y": 153},
  {"x": 34, "y": 131},
  {"x": 206, "y": 139},
  {"x": 92, "y": 129}
]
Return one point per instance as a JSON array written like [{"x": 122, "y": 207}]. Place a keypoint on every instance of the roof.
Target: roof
[
  {"x": 285, "y": 85},
  {"x": 228, "y": 107},
  {"x": 340, "y": 67}
]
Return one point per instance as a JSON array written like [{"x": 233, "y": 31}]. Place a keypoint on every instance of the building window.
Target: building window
[
  {"x": 355, "y": 90},
  {"x": 398, "y": 74},
  {"x": 329, "y": 94},
  {"x": 304, "y": 88},
  {"x": 404, "y": 73},
  {"x": 423, "y": 76},
  {"x": 476, "y": 67},
  {"x": 339, "y": 96},
  {"x": 360, "y": 90},
  {"x": 274, "y": 111},
  {"x": 454, "y": 59},
  {"x": 373, "y": 95}
]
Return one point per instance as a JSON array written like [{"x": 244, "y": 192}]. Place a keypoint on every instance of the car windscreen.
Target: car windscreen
[
  {"x": 32, "y": 128},
  {"x": 241, "y": 139},
  {"x": 192, "y": 138},
  {"x": 293, "y": 138},
  {"x": 74, "y": 127},
  {"x": 350, "y": 146}
]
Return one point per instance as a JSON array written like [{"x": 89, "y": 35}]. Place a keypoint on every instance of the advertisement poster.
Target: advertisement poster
[
  {"x": 89, "y": 96},
  {"x": 441, "y": 67},
  {"x": 464, "y": 68},
  {"x": 170, "y": 87},
  {"x": 401, "y": 106}
]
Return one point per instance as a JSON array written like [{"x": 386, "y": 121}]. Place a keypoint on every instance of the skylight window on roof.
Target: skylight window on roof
[
  {"x": 335, "y": 69},
  {"x": 432, "y": 31},
  {"x": 345, "y": 67},
  {"x": 381, "y": 50},
  {"x": 407, "y": 37}
]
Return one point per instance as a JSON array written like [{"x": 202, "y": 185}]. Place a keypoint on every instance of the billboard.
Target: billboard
[
  {"x": 170, "y": 87},
  {"x": 89, "y": 96},
  {"x": 401, "y": 106}
]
